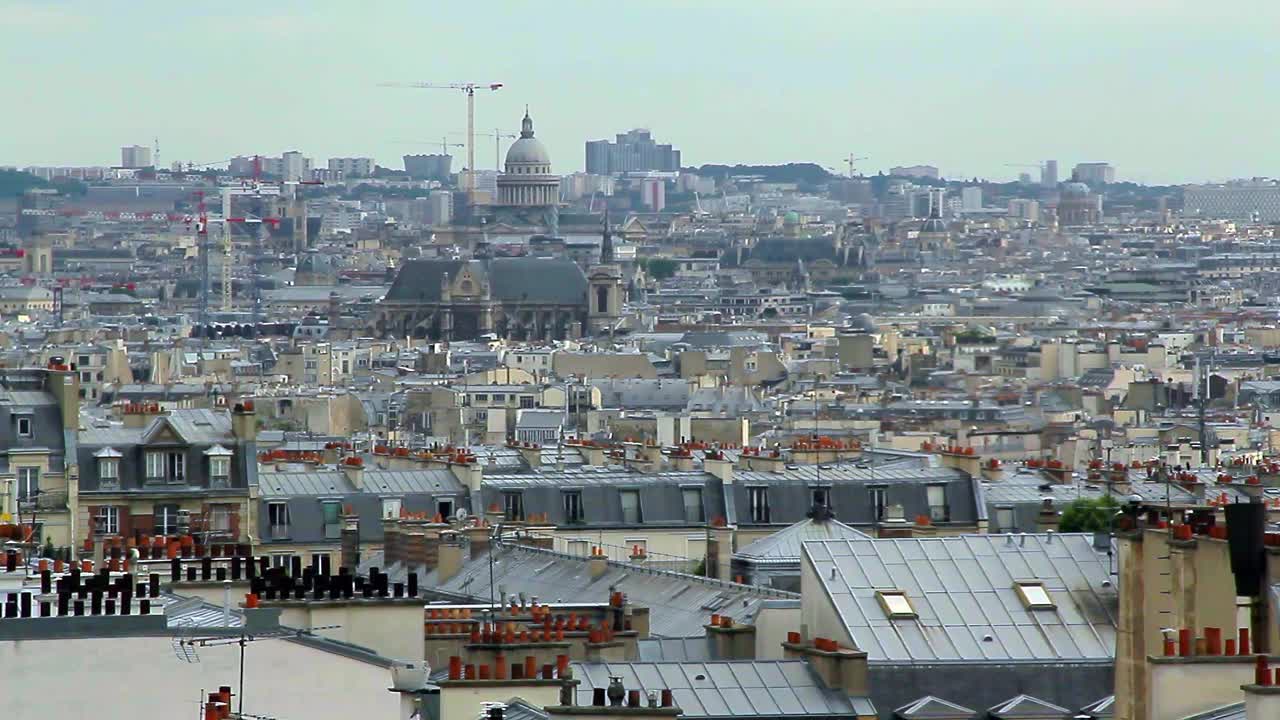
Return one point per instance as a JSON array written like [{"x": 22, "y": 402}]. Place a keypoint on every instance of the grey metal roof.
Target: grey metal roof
[
  {"x": 962, "y": 589},
  {"x": 1234, "y": 711},
  {"x": 595, "y": 476},
  {"x": 380, "y": 482},
  {"x": 768, "y": 688},
  {"x": 1104, "y": 708},
  {"x": 851, "y": 473},
  {"x": 676, "y": 649},
  {"x": 784, "y": 546},
  {"x": 196, "y": 426},
  {"x": 679, "y": 605}
]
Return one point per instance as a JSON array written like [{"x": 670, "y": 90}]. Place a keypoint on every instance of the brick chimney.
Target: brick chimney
[
  {"x": 350, "y": 541},
  {"x": 1049, "y": 517},
  {"x": 451, "y": 556}
]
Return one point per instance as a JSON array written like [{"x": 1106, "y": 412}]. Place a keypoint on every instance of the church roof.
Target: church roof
[
  {"x": 516, "y": 279},
  {"x": 527, "y": 148}
]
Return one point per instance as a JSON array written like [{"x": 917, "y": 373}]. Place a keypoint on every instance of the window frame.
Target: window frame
[
  {"x": 220, "y": 462},
  {"x": 106, "y": 521},
  {"x": 571, "y": 501},
  {"x": 879, "y": 496},
  {"x": 824, "y": 491},
  {"x": 513, "y": 505},
  {"x": 28, "y": 479},
  {"x": 160, "y": 518},
  {"x": 1034, "y": 595},
  {"x": 896, "y": 604},
  {"x": 277, "y": 529},
  {"x": 154, "y": 466},
  {"x": 758, "y": 504},
  {"x": 391, "y": 507},
  {"x": 625, "y": 493},
  {"x": 685, "y": 493},
  {"x": 25, "y": 420},
  {"x": 937, "y": 513},
  {"x": 113, "y": 465},
  {"x": 331, "y": 530}
]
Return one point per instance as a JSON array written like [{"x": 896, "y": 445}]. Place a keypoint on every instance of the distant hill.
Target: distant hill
[{"x": 800, "y": 173}]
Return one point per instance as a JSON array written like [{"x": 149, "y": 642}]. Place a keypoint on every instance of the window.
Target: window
[
  {"x": 895, "y": 604},
  {"x": 108, "y": 469},
  {"x": 499, "y": 397},
  {"x": 572, "y": 506},
  {"x": 879, "y": 502},
  {"x": 1034, "y": 596},
  {"x": 821, "y": 497},
  {"x": 331, "y": 511},
  {"x": 482, "y": 397},
  {"x": 693, "y": 512},
  {"x": 177, "y": 466},
  {"x": 526, "y": 401},
  {"x": 758, "y": 499},
  {"x": 165, "y": 519},
  {"x": 630, "y": 506},
  {"x": 1004, "y": 520},
  {"x": 580, "y": 548},
  {"x": 155, "y": 465},
  {"x": 82, "y": 360},
  {"x": 24, "y": 427},
  {"x": 938, "y": 510},
  {"x": 28, "y": 483},
  {"x": 86, "y": 377},
  {"x": 278, "y": 519},
  {"x": 513, "y": 505},
  {"x": 281, "y": 560},
  {"x": 220, "y": 519},
  {"x": 445, "y": 508},
  {"x": 219, "y": 468},
  {"x": 391, "y": 507},
  {"x": 107, "y": 521}
]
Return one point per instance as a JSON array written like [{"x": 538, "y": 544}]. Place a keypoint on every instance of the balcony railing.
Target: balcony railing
[{"x": 44, "y": 500}]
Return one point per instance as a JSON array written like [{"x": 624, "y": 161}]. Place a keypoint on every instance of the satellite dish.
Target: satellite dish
[{"x": 460, "y": 515}]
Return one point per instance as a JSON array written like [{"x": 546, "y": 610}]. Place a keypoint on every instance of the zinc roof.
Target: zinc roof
[
  {"x": 962, "y": 590},
  {"x": 772, "y": 688}
]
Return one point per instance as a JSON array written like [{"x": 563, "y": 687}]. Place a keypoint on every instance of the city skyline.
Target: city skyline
[{"x": 774, "y": 85}]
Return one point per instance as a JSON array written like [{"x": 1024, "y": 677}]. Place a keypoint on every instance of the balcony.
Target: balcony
[{"x": 44, "y": 501}]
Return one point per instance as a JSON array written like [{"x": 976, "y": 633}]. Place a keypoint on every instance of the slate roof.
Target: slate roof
[
  {"x": 761, "y": 688},
  {"x": 1235, "y": 711},
  {"x": 518, "y": 279},
  {"x": 679, "y": 605},
  {"x": 1104, "y": 708},
  {"x": 784, "y": 546},
  {"x": 962, "y": 589},
  {"x": 331, "y": 482}
]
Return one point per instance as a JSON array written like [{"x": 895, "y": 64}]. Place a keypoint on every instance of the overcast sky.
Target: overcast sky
[{"x": 1166, "y": 90}]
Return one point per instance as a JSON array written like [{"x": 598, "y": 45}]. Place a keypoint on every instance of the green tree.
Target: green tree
[
  {"x": 660, "y": 268},
  {"x": 1089, "y": 515}
]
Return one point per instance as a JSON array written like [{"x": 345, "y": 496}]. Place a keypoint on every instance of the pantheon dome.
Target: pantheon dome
[{"x": 528, "y": 180}]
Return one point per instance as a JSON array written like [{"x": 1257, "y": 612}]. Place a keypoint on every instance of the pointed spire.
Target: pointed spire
[
  {"x": 606, "y": 240},
  {"x": 526, "y": 125}
]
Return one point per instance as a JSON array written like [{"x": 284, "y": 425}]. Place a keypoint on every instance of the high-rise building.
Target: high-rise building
[
  {"x": 440, "y": 207},
  {"x": 289, "y": 166},
  {"x": 1049, "y": 174},
  {"x": 653, "y": 194},
  {"x": 1094, "y": 173},
  {"x": 352, "y": 166},
  {"x": 1241, "y": 200},
  {"x": 135, "y": 156},
  {"x": 915, "y": 171},
  {"x": 632, "y": 151},
  {"x": 429, "y": 167},
  {"x": 971, "y": 198},
  {"x": 1024, "y": 209}
]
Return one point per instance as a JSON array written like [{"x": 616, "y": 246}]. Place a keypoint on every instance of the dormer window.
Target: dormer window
[
  {"x": 108, "y": 460},
  {"x": 219, "y": 466},
  {"x": 24, "y": 426}
]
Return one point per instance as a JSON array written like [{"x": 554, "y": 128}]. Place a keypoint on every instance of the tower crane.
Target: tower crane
[
  {"x": 498, "y": 136},
  {"x": 849, "y": 161},
  {"x": 469, "y": 89}
]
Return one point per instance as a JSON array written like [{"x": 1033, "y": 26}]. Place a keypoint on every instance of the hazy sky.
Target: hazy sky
[{"x": 1166, "y": 90}]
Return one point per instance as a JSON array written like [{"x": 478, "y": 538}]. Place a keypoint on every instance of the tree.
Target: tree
[
  {"x": 1089, "y": 515},
  {"x": 660, "y": 268}
]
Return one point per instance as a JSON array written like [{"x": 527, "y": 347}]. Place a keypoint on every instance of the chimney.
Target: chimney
[
  {"x": 350, "y": 540},
  {"x": 1262, "y": 697},
  {"x": 469, "y": 474},
  {"x": 393, "y": 541},
  {"x": 531, "y": 453},
  {"x": 353, "y": 468},
  {"x": 451, "y": 556},
  {"x": 1049, "y": 517},
  {"x": 244, "y": 423},
  {"x": 64, "y": 385},
  {"x": 477, "y": 539},
  {"x": 598, "y": 564},
  {"x": 719, "y": 466}
]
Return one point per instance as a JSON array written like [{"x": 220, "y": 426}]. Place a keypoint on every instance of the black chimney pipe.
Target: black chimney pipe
[
  {"x": 175, "y": 570},
  {"x": 1246, "y": 530}
]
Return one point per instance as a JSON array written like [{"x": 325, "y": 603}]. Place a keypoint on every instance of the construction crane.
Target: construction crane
[
  {"x": 849, "y": 161},
  {"x": 469, "y": 89},
  {"x": 444, "y": 144},
  {"x": 498, "y": 137}
]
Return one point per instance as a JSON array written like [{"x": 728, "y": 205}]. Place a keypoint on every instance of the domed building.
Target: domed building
[
  {"x": 1077, "y": 205},
  {"x": 528, "y": 180}
]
